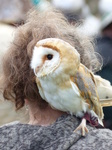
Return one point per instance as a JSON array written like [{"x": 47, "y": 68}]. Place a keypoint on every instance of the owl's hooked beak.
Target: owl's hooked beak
[
  {"x": 44, "y": 71},
  {"x": 39, "y": 72}
]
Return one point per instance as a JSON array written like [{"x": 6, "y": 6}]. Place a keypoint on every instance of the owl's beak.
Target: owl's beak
[
  {"x": 36, "y": 71},
  {"x": 39, "y": 72}
]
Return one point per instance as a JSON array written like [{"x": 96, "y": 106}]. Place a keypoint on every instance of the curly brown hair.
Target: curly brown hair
[{"x": 18, "y": 78}]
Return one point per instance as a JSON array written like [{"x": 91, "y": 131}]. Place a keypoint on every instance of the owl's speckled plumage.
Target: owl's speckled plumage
[{"x": 63, "y": 81}]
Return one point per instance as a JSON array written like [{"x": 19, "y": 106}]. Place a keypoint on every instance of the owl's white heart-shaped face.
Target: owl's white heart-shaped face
[{"x": 44, "y": 60}]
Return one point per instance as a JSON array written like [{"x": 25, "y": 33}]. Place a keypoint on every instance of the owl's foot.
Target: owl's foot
[{"x": 82, "y": 127}]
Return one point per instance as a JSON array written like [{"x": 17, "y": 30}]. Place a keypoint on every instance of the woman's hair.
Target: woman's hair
[{"x": 18, "y": 78}]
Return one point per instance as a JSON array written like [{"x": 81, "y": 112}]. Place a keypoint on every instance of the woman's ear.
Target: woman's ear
[{"x": 26, "y": 102}]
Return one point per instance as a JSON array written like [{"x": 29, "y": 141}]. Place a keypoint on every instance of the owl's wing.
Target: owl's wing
[{"x": 85, "y": 82}]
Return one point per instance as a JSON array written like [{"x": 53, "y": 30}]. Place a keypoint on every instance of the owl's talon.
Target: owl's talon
[{"x": 82, "y": 127}]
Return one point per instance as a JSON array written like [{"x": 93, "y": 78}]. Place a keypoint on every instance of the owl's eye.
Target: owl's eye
[{"x": 49, "y": 56}]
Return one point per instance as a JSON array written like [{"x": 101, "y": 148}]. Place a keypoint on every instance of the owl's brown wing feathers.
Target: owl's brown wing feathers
[{"x": 85, "y": 82}]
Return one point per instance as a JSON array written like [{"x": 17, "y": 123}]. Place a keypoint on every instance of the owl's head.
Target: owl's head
[{"x": 51, "y": 54}]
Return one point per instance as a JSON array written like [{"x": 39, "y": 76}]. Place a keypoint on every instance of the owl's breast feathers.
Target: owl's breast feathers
[{"x": 85, "y": 82}]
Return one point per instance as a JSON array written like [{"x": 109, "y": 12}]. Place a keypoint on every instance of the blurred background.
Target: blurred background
[{"x": 95, "y": 19}]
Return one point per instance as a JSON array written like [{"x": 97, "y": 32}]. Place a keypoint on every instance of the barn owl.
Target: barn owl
[{"x": 64, "y": 82}]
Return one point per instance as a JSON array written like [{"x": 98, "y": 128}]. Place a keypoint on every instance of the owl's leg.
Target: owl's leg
[{"x": 82, "y": 127}]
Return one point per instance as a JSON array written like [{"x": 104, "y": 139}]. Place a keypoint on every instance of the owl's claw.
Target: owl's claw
[{"x": 82, "y": 127}]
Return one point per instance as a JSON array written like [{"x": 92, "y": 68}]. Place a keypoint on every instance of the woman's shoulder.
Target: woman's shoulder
[
  {"x": 9, "y": 124},
  {"x": 8, "y": 128},
  {"x": 59, "y": 135},
  {"x": 95, "y": 139}
]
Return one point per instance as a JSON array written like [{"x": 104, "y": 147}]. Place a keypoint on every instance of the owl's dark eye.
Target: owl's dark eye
[{"x": 49, "y": 56}]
